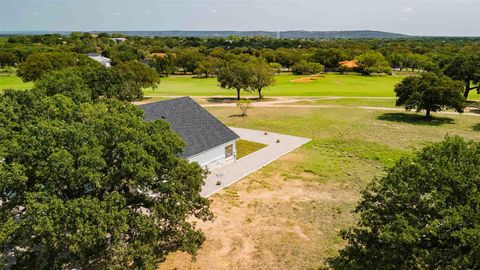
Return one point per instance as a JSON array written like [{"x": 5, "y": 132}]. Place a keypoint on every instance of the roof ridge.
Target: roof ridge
[{"x": 200, "y": 129}]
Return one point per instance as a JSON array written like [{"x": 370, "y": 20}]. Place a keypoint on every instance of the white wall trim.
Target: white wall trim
[{"x": 217, "y": 155}]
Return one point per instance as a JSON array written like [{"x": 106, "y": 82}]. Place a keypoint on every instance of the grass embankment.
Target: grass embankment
[
  {"x": 288, "y": 214},
  {"x": 245, "y": 148}
]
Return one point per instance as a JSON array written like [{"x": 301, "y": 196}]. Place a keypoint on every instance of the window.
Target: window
[{"x": 229, "y": 151}]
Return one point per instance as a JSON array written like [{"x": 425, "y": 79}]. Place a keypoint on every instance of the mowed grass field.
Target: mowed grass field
[
  {"x": 11, "y": 81},
  {"x": 332, "y": 85},
  {"x": 327, "y": 85},
  {"x": 288, "y": 215}
]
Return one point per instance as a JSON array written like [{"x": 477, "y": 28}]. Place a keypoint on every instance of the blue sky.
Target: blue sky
[{"x": 420, "y": 17}]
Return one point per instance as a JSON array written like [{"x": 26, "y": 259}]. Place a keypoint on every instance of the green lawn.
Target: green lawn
[
  {"x": 372, "y": 134},
  {"x": 329, "y": 85},
  {"x": 247, "y": 147},
  {"x": 11, "y": 81},
  {"x": 350, "y": 102}
]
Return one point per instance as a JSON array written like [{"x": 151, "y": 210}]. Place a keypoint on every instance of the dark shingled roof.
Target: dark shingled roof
[{"x": 199, "y": 129}]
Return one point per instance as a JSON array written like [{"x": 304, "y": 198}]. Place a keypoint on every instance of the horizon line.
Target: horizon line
[{"x": 242, "y": 31}]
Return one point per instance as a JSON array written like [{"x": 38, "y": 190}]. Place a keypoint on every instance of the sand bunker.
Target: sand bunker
[{"x": 307, "y": 79}]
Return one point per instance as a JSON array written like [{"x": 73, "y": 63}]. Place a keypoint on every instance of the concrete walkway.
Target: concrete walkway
[{"x": 231, "y": 173}]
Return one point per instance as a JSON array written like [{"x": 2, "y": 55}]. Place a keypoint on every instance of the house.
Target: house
[
  {"x": 118, "y": 39},
  {"x": 104, "y": 61},
  {"x": 209, "y": 142},
  {"x": 154, "y": 55},
  {"x": 160, "y": 55},
  {"x": 349, "y": 64}
]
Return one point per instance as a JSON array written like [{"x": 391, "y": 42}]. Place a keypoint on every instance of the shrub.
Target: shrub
[
  {"x": 423, "y": 214},
  {"x": 243, "y": 105}
]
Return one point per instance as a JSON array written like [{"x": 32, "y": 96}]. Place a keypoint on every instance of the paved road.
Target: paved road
[{"x": 231, "y": 173}]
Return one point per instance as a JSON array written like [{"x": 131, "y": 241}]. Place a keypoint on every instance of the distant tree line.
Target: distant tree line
[{"x": 457, "y": 58}]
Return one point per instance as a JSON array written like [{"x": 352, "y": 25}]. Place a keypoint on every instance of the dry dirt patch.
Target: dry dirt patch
[
  {"x": 273, "y": 220},
  {"x": 307, "y": 79}
]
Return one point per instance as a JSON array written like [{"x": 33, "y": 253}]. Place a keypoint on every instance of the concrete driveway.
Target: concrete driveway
[{"x": 231, "y": 173}]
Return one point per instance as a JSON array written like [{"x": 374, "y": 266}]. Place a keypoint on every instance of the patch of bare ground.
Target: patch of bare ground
[
  {"x": 307, "y": 79},
  {"x": 280, "y": 217}
]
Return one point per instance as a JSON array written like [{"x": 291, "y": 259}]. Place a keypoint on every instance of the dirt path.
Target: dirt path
[
  {"x": 278, "y": 104},
  {"x": 274, "y": 97},
  {"x": 286, "y": 102}
]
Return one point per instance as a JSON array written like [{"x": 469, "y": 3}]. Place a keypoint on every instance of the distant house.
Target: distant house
[
  {"x": 106, "y": 62},
  {"x": 209, "y": 141},
  {"x": 149, "y": 58},
  {"x": 160, "y": 55},
  {"x": 118, "y": 39},
  {"x": 351, "y": 64}
]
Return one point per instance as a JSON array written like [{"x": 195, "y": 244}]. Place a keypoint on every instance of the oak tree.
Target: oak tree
[
  {"x": 423, "y": 214},
  {"x": 41, "y": 63},
  {"x": 235, "y": 75},
  {"x": 466, "y": 68},
  {"x": 430, "y": 92},
  {"x": 373, "y": 62},
  {"x": 262, "y": 76},
  {"x": 92, "y": 185}
]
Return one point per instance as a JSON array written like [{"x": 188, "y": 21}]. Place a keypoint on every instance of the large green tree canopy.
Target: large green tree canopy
[
  {"x": 235, "y": 75},
  {"x": 92, "y": 184},
  {"x": 430, "y": 92},
  {"x": 38, "y": 64},
  {"x": 123, "y": 81},
  {"x": 465, "y": 67},
  {"x": 262, "y": 76},
  {"x": 373, "y": 62},
  {"x": 424, "y": 214}
]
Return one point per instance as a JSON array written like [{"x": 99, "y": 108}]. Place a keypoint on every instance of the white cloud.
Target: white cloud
[
  {"x": 407, "y": 9},
  {"x": 34, "y": 13},
  {"x": 117, "y": 14},
  {"x": 213, "y": 11},
  {"x": 405, "y": 19},
  {"x": 148, "y": 11}
]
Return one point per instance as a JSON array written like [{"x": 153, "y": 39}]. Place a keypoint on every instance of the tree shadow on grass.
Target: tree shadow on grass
[
  {"x": 238, "y": 115},
  {"x": 415, "y": 119},
  {"x": 476, "y": 127},
  {"x": 473, "y": 104}
]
